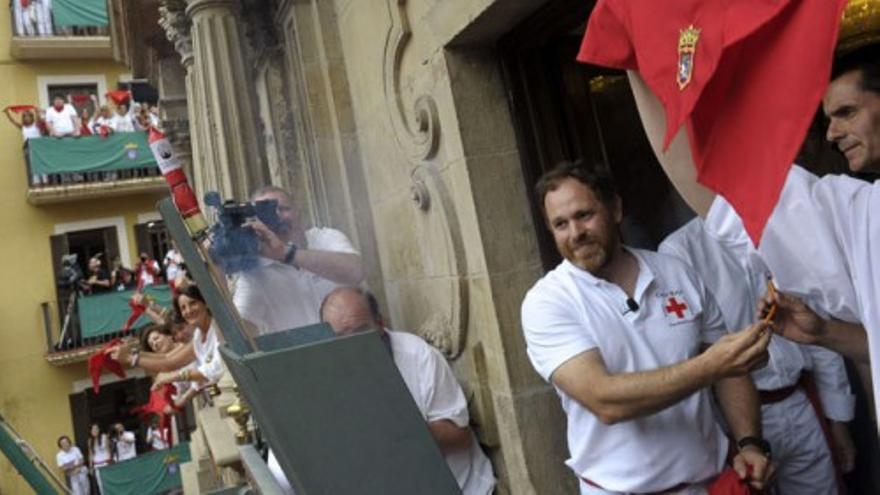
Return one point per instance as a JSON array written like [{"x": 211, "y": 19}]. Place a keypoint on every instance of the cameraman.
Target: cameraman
[
  {"x": 98, "y": 280},
  {"x": 297, "y": 269}
]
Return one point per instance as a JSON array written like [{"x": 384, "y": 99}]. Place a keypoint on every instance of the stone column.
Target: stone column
[
  {"x": 223, "y": 85},
  {"x": 177, "y": 29}
]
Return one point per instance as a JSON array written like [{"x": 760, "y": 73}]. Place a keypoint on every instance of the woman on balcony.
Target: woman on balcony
[
  {"x": 190, "y": 304},
  {"x": 99, "y": 452},
  {"x": 202, "y": 350}
]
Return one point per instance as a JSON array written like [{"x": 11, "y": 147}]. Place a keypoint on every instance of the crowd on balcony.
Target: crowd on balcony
[
  {"x": 83, "y": 472},
  {"x": 35, "y": 18},
  {"x": 78, "y": 115}
]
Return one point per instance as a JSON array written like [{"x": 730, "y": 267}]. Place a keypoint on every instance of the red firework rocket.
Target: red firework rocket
[{"x": 182, "y": 194}]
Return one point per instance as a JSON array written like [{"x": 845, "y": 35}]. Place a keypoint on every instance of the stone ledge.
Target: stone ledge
[{"x": 60, "y": 47}]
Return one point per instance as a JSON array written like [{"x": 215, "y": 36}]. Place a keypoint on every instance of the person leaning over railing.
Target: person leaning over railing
[{"x": 203, "y": 349}]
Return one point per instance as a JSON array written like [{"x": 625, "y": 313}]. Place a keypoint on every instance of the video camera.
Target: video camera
[
  {"x": 235, "y": 246},
  {"x": 71, "y": 274}
]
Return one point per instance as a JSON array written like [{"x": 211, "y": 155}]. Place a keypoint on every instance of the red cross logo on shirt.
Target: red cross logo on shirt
[{"x": 676, "y": 307}]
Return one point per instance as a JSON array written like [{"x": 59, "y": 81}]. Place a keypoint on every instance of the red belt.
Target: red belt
[
  {"x": 680, "y": 486},
  {"x": 778, "y": 395}
]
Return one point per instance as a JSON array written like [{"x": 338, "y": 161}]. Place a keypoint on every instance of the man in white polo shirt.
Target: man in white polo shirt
[
  {"x": 296, "y": 271},
  {"x": 619, "y": 333},
  {"x": 62, "y": 119},
  {"x": 789, "y": 422}
]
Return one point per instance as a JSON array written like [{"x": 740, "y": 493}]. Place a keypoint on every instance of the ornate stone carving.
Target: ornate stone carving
[
  {"x": 176, "y": 24},
  {"x": 446, "y": 327},
  {"x": 417, "y": 131}
]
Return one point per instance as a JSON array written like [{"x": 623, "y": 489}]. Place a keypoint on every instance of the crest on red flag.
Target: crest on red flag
[{"x": 687, "y": 51}]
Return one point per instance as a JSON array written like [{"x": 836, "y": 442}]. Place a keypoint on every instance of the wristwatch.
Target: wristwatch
[
  {"x": 290, "y": 253},
  {"x": 762, "y": 444}
]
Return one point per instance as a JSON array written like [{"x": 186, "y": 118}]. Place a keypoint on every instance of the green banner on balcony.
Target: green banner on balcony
[
  {"x": 147, "y": 474},
  {"x": 103, "y": 314},
  {"x": 118, "y": 151},
  {"x": 88, "y": 13}
]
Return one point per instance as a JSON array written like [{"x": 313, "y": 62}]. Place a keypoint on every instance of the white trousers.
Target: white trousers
[
  {"x": 44, "y": 16},
  {"x": 803, "y": 460},
  {"x": 79, "y": 483},
  {"x": 24, "y": 24}
]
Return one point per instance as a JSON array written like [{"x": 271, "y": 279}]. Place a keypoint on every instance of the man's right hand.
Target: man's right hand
[
  {"x": 737, "y": 354},
  {"x": 794, "y": 320}
]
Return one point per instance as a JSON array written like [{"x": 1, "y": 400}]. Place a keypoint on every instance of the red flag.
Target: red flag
[
  {"x": 160, "y": 401},
  {"x": 99, "y": 361},
  {"x": 137, "y": 309},
  {"x": 21, "y": 108},
  {"x": 119, "y": 96},
  {"x": 736, "y": 73},
  {"x": 728, "y": 483}
]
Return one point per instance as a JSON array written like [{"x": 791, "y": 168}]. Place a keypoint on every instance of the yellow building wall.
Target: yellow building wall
[{"x": 33, "y": 393}]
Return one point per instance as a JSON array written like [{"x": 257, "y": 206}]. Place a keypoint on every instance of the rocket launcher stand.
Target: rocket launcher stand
[{"x": 335, "y": 410}]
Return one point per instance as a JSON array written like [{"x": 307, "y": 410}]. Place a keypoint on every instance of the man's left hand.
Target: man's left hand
[
  {"x": 752, "y": 465},
  {"x": 271, "y": 246}
]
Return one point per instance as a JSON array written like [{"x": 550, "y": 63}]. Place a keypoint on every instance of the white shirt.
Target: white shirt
[
  {"x": 208, "y": 354},
  {"x": 156, "y": 439},
  {"x": 66, "y": 460},
  {"x": 30, "y": 132},
  {"x": 101, "y": 453},
  {"x": 101, "y": 121},
  {"x": 62, "y": 121},
  {"x": 737, "y": 281},
  {"x": 172, "y": 262},
  {"x": 438, "y": 396},
  {"x": 276, "y": 297},
  {"x": 145, "y": 272},
  {"x": 123, "y": 123},
  {"x": 569, "y": 312},
  {"x": 821, "y": 243},
  {"x": 125, "y": 447}
]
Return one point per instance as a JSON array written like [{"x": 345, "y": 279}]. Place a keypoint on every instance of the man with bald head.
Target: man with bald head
[
  {"x": 297, "y": 268},
  {"x": 429, "y": 380}
]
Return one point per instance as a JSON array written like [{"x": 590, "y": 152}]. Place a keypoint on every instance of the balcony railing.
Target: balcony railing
[
  {"x": 43, "y": 32},
  {"x": 75, "y": 327},
  {"x": 75, "y": 168}
]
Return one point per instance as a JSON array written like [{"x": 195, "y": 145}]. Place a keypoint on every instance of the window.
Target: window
[
  {"x": 48, "y": 85},
  {"x": 77, "y": 94}
]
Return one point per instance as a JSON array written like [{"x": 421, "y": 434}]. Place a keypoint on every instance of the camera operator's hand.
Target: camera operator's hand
[{"x": 271, "y": 246}]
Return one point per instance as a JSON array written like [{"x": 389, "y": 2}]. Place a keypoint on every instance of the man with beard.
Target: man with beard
[
  {"x": 619, "y": 332},
  {"x": 297, "y": 269}
]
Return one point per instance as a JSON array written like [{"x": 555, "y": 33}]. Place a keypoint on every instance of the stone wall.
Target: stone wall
[
  {"x": 389, "y": 120},
  {"x": 453, "y": 227}
]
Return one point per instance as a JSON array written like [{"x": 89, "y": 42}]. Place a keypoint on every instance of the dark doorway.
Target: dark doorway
[
  {"x": 114, "y": 404},
  {"x": 565, "y": 110},
  {"x": 152, "y": 238},
  {"x": 104, "y": 244}
]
